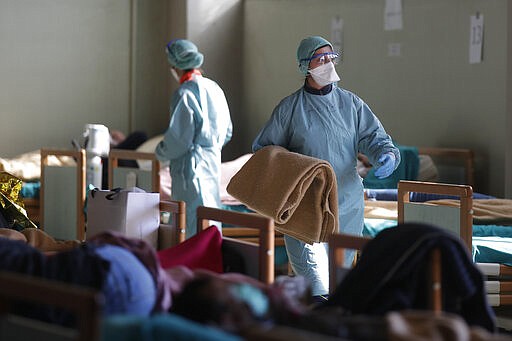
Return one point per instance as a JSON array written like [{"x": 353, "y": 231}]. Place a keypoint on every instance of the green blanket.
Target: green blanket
[{"x": 407, "y": 170}]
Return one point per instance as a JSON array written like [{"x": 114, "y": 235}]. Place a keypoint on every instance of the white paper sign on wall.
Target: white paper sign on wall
[{"x": 476, "y": 38}]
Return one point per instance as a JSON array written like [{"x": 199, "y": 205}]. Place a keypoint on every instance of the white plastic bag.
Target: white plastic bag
[{"x": 132, "y": 212}]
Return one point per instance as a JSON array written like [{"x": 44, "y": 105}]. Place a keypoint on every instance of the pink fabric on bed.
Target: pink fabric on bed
[{"x": 202, "y": 251}]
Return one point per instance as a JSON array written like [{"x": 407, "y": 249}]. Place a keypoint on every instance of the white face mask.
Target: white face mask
[
  {"x": 175, "y": 74},
  {"x": 324, "y": 74}
]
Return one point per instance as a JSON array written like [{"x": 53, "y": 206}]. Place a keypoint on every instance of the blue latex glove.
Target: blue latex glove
[{"x": 387, "y": 165}]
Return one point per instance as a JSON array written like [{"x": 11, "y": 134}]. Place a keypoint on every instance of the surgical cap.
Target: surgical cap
[
  {"x": 306, "y": 49},
  {"x": 183, "y": 54}
]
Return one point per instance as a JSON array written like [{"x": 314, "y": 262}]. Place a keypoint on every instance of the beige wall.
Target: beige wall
[
  {"x": 152, "y": 24},
  {"x": 508, "y": 169},
  {"x": 217, "y": 29},
  {"x": 63, "y": 63},
  {"x": 428, "y": 96}
]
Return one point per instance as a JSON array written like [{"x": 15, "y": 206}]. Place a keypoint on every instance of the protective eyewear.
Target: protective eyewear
[{"x": 323, "y": 58}]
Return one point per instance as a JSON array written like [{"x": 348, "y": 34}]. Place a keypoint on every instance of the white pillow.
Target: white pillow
[{"x": 148, "y": 147}]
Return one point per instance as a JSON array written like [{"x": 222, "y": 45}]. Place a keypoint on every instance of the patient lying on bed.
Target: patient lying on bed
[
  {"x": 242, "y": 308},
  {"x": 126, "y": 270},
  {"x": 128, "y": 274}
]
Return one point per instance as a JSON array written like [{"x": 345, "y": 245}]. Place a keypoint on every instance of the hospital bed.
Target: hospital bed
[
  {"x": 260, "y": 255},
  {"x": 459, "y": 220},
  {"x": 436, "y": 164},
  {"x": 258, "y": 260},
  {"x": 84, "y": 303}
]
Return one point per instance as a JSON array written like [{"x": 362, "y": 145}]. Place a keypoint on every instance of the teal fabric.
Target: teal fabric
[
  {"x": 492, "y": 231},
  {"x": 373, "y": 226},
  {"x": 30, "y": 189},
  {"x": 183, "y": 54},
  {"x": 491, "y": 243},
  {"x": 407, "y": 169},
  {"x": 237, "y": 208},
  {"x": 492, "y": 250},
  {"x": 160, "y": 327}
]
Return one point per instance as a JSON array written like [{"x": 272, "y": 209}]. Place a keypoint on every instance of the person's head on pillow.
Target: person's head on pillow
[{"x": 215, "y": 301}]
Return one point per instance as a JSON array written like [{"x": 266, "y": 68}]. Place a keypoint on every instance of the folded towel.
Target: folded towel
[{"x": 297, "y": 191}]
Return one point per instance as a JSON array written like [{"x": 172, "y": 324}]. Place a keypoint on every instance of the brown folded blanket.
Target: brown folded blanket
[{"x": 299, "y": 192}]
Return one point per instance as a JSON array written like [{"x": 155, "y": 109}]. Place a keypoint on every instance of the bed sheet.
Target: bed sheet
[{"x": 27, "y": 166}]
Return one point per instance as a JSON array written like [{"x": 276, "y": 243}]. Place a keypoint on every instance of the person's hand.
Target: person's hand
[
  {"x": 116, "y": 137},
  {"x": 387, "y": 165}
]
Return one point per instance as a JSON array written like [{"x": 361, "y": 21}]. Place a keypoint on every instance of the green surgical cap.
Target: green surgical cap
[
  {"x": 183, "y": 54},
  {"x": 306, "y": 49}
]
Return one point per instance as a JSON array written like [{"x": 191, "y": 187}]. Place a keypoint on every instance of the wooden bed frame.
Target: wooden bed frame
[
  {"x": 87, "y": 303},
  {"x": 84, "y": 303},
  {"x": 171, "y": 230},
  {"x": 122, "y": 154},
  {"x": 464, "y": 157},
  {"x": 461, "y": 156},
  {"x": 260, "y": 255},
  {"x": 502, "y": 288}
]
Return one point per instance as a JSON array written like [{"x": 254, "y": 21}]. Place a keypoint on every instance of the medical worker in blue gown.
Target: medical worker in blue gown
[
  {"x": 200, "y": 126},
  {"x": 327, "y": 122}
]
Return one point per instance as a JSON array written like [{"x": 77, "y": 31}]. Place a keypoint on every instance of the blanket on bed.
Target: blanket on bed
[
  {"x": 486, "y": 211},
  {"x": 381, "y": 209},
  {"x": 27, "y": 166},
  {"x": 299, "y": 192}
]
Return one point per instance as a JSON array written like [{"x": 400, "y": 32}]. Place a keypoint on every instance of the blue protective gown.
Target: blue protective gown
[
  {"x": 332, "y": 124},
  {"x": 200, "y": 126}
]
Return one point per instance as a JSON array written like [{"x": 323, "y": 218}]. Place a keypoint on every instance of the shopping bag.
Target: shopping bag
[{"x": 132, "y": 212}]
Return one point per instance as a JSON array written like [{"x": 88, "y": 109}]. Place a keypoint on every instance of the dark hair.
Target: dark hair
[{"x": 209, "y": 300}]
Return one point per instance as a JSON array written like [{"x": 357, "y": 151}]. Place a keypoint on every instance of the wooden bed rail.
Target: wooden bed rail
[
  {"x": 464, "y": 192},
  {"x": 466, "y": 156},
  {"x": 85, "y": 303},
  {"x": 122, "y": 154},
  {"x": 337, "y": 245},
  {"x": 265, "y": 226},
  {"x": 172, "y": 232}
]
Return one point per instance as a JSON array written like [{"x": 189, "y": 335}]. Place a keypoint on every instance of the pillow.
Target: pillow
[
  {"x": 202, "y": 251},
  {"x": 148, "y": 147}
]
